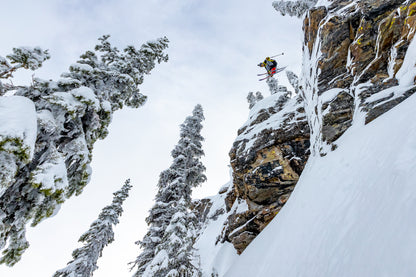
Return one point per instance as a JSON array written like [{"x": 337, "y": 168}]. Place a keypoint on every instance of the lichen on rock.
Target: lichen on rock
[
  {"x": 267, "y": 158},
  {"x": 358, "y": 63}
]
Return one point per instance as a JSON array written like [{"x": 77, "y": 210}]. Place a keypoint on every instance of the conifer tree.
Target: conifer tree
[
  {"x": 253, "y": 99},
  {"x": 72, "y": 113},
  {"x": 293, "y": 80},
  {"x": 275, "y": 88},
  {"x": 99, "y": 235},
  {"x": 294, "y": 8},
  {"x": 273, "y": 85},
  {"x": 175, "y": 254},
  {"x": 159, "y": 217},
  {"x": 168, "y": 245},
  {"x": 22, "y": 57}
]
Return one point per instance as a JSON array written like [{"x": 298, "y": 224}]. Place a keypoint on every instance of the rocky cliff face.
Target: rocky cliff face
[
  {"x": 357, "y": 65},
  {"x": 353, "y": 55},
  {"x": 267, "y": 159}
]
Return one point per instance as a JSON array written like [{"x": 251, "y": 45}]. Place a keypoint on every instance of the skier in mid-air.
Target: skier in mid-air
[{"x": 270, "y": 66}]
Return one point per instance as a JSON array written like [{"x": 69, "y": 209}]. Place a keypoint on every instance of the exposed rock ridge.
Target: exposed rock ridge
[
  {"x": 353, "y": 53},
  {"x": 357, "y": 65},
  {"x": 267, "y": 158}
]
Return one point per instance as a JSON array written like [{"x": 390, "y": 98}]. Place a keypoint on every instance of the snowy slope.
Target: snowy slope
[
  {"x": 352, "y": 212},
  {"x": 215, "y": 257}
]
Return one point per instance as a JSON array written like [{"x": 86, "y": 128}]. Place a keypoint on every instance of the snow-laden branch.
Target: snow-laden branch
[{"x": 294, "y": 8}]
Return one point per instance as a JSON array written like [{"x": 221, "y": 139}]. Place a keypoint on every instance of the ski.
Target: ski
[
  {"x": 260, "y": 74},
  {"x": 277, "y": 71},
  {"x": 265, "y": 78}
]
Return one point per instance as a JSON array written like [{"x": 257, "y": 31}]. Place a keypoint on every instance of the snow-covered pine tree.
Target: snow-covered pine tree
[
  {"x": 175, "y": 255},
  {"x": 71, "y": 114},
  {"x": 273, "y": 85},
  {"x": 259, "y": 96},
  {"x": 275, "y": 88},
  {"x": 294, "y": 8},
  {"x": 158, "y": 219},
  {"x": 22, "y": 57},
  {"x": 168, "y": 245},
  {"x": 99, "y": 235},
  {"x": 293, "y": 80},
  {"x": 253, "y": 99},
  {"x": 187, "y": 170}
]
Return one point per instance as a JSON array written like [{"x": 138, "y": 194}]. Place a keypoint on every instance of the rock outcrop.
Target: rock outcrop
[
  {"x": 267, "y": 159},
  {"x": 356, "y": 66},
  {"x": 353, "y": 53}
]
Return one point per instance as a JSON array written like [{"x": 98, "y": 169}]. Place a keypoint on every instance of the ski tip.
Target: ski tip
[{"x": 262, "y": 79}]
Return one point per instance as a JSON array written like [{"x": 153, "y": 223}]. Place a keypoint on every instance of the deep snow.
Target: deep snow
[
  {"x": 18, "y": 129},
  {"x": 215, "y": 257},
  {"x": 18, "y": 120},
  {"x": 352, "y": 212}
]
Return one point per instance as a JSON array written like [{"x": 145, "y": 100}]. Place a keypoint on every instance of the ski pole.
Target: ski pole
[{"x": 277, "y": 55}]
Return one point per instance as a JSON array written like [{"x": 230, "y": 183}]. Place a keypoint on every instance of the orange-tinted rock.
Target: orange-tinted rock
[
  {"x": 267, "y": 161},
  {"x": 360, "y": 47},
  {"x": 358, "y": 43}
]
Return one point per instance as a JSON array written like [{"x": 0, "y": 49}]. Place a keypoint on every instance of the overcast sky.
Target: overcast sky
[{"x": 214, "y": 48}]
